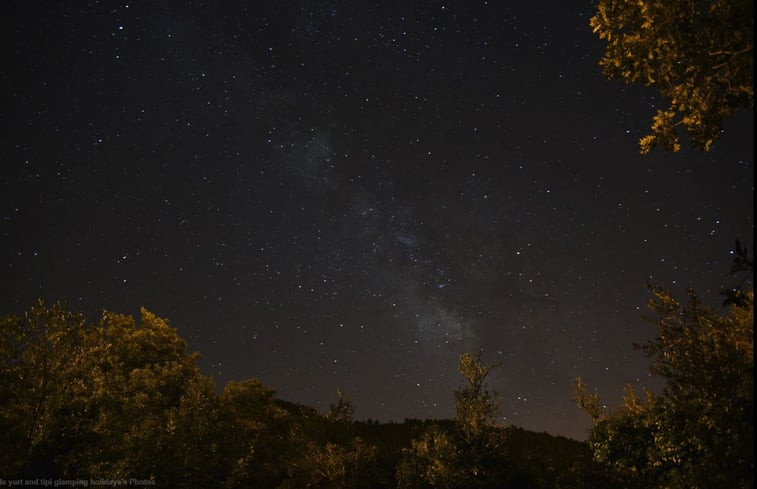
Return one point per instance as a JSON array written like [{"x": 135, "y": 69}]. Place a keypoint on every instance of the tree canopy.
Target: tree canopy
[
  {"x": 699, "y": 55},
  {"x": 118, "y": 398},
  {"x": 699, "y": 432},
  {"x": 471, "y": 455},
  {"x": 89, "y": 399}
]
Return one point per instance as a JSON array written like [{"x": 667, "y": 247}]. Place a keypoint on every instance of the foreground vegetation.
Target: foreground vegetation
[
  {"x": 113, "y": 399},
  {"x": 700, "y": 432}
]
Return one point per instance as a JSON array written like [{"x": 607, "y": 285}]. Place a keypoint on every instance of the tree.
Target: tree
[
  {"x": 432, "y": 461},
  {"x": 335, "y": 466},
  {"x": 743, "y": 269},
  {"x": 106, "y": 399},
  {"x": 343, "y": 410},
  {"x": 143, "y": 385},
  {"x": 589, "y": 401},
  {"x": 623, "y": 441},
  {"x": 39, "y": 352},
  {"x": 697, "y": 54},
  {"x": 471, "y": 454},
  {"x": 257, "y": 435},
  {"x": 477, "y": 407},
  {"x": 708, "y": 363},
  {"x": 699, "y": 433}
]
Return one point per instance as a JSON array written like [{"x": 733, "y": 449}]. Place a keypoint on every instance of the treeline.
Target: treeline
[{"x": 114, "y": 399}]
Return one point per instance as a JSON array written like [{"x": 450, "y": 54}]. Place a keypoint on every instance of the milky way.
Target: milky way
[{"x": 348, "y": 195}]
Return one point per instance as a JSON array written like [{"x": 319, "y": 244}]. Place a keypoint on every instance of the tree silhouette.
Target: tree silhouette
[{"x": 343, "y": 410}]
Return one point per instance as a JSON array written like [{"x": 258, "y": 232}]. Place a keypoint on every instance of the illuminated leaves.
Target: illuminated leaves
[
  {"x": 463, "y": 457},
  {"x": 699, "y": 433},
  {"x": 433, "y": 460},
  {"x": 476, "y": 406},
  {"x": 333, "y": 466},
  {"x": 111, "y": 398},
  {"x": 697, "y": 54},
  {"x": 589, "y": 401},
  {"x": 255, "y": 434}
]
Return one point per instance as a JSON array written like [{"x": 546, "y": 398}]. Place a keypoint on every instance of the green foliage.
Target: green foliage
[
  {"x": 700, "y": 432},
  {"x": 697, "y": 54}
]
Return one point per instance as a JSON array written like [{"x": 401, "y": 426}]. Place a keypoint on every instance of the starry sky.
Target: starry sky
[{"x": 350, "y": 195}]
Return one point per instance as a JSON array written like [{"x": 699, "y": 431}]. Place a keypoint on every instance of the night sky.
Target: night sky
[{"x": 332, "y": 194}]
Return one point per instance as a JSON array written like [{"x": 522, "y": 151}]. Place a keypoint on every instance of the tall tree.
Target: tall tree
[
  {"x": 698, "y": 54},
  {"x": 469, "y": 456},
  {"x": 477, "y": 407},
  {"x": 108, "y": 399},
  {"x": 258, "y": 435},
  {"x": 699, "y": 433},
  {"x": 39, "y": 355}
]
